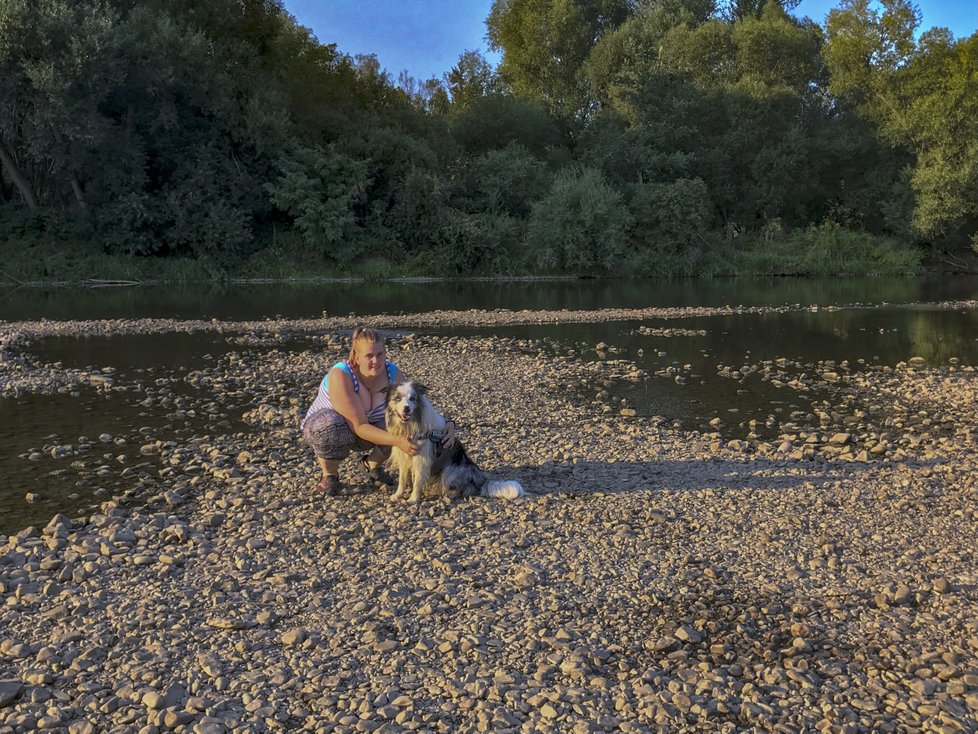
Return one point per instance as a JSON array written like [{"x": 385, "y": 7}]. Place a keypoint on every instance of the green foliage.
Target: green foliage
[
  {"x": 418, "y": 211},
  {"x": 831, "y": 250},
  {"x": 506, "y": 181},
  {"x": 496, "y": 120},
  {"x": 616, "y": 135},
  {"x": 707, "y": 258},
  {"x": 671, "y": 222},
  {"x": 922, "y": 96},
  {"x": 546, "y": 42},
  {"x": 865, "y": 48},
  {"x": 651, "y": 134},
  {"x": 670, "y": 215},
  {"x": 471, "y": 78},
  {"x": 940, "y": 121},
  {"x": 480, "y": 243},
  {"x": 778, "y": 51},
  {"x": 580, "y": 225},
  {"x": 319, "y": 188},
  {"x": 627, "y": 55}
]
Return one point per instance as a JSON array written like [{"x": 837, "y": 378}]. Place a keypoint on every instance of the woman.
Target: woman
[{"x": 348, "y": 413}]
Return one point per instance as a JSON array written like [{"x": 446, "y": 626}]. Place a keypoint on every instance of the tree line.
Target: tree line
[{"x": 623, "y": 136}]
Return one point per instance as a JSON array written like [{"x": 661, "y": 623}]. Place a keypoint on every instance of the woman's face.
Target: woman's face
[{"x": 370, "y": 358}]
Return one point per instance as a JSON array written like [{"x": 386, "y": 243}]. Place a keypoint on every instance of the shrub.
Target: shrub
[
  {"x": 318, "y": 188},
  {"x": 831, "y": 250},
  {"x": 507, "y": 181},
  {"x": 579, "y": 225}
]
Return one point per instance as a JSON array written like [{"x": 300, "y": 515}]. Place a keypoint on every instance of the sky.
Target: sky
[{"x": 426, "y": 37}]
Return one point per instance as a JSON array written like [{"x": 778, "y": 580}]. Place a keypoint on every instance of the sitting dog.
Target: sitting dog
[{"x": 410, "y": 413}]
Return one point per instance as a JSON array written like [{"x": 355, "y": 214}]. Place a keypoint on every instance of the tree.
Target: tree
[
  {"x": 505, "y": 181},
  {"x": 621, "y": 60},
  {"x": 546, "y": 42},
  {"x": 496, "y": 120},
  {"x": 319, "y": 188},
  {"x": 471, "y": 78},
  {"x": 922, "y": 96},
  {"x": 56, "y": 63},
  {"x": 581, "y": 224},
  {"x": 940, "y": 122},
  {"x": 865, "y": 48}
]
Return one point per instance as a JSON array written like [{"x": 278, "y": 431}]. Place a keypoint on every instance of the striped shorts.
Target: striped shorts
[{"x": 330, "y": 437}]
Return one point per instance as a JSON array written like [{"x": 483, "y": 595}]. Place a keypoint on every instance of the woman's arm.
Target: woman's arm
[{"x": 347, "y": 404}]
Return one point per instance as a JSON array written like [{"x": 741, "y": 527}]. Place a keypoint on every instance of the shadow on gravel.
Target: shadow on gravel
[{"x": 650, "y": 476}]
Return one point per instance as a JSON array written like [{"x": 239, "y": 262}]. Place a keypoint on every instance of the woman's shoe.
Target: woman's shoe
[
  {"x": 329, "y": 485},
  {"x": 380, "y": 476}
]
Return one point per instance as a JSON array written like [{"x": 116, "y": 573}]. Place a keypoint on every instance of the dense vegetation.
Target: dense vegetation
[{"x": 623, "y": 136}]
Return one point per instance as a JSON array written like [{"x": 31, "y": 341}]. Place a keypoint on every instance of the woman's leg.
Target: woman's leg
[
  {"x": 375, "y": 459},
  {"x": 330, "y": 467},
  {"x": 378, "y": 456},
  {"x": 331, "y": 439}
]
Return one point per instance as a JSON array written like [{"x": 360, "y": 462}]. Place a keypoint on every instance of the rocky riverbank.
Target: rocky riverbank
[{"x": 665, "y": 579}]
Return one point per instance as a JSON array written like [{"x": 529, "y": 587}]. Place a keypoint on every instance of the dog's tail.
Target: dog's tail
[{"x": 504, "y": 489}]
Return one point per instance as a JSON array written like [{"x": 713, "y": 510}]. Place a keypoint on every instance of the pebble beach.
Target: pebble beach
[{"x": 821, "y": 578}]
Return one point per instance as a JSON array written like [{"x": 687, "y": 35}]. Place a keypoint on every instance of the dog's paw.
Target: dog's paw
[
  {"x": 396, "y": 496},
  {"x": 415, "y": 498}
]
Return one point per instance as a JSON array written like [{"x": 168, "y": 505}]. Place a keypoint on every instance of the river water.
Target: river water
[{"x": 878, "y": 322}]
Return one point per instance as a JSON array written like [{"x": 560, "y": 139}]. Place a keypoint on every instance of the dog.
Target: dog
[{"x": 410, "y": 413}]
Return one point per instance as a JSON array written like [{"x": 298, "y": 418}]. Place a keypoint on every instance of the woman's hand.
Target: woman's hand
[
  {"x": 449, "y": 436},
  {"x": 408, "y": 446}
]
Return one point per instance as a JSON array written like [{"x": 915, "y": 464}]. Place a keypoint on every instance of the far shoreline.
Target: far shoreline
[{"x": 95, "y": 283}]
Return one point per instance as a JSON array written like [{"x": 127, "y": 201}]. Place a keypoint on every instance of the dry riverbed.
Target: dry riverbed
[{"x": 665, "y": 580}]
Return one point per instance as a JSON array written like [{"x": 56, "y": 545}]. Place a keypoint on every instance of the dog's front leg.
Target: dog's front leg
[
  {"x": 420, "y": 477},
  {"x": 402, "y": 480}
]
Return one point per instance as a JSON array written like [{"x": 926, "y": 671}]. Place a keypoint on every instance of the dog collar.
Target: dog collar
[{"x": 435, "y": 437}]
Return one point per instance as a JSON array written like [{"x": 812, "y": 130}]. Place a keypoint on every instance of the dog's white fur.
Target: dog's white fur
[{"x": 410, "y": 413}]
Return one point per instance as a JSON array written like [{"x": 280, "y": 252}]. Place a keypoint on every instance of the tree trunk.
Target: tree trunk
[
  {"x": 79, "y": 194},
  {"x": 22, "y": 184}
]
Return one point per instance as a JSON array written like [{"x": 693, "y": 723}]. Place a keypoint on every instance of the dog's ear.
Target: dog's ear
[
  {"x": 420, "y": 389},
  {"x": 387, "y": 391}
]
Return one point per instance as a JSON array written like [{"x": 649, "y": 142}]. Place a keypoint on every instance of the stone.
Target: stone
[
  {"x": 9, "y": 690},
  {"x": 941, "y": 585},
  {"x": 294, "y": 636}
]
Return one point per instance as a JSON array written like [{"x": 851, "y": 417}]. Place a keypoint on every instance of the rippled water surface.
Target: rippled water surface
[{"x": 874, "y": 334}]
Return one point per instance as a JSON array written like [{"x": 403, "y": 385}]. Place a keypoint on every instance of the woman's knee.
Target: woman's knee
[{"x": 329, "y": 435}]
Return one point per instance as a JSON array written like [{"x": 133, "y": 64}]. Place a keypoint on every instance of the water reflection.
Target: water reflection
[
  {"x": 863, "y": 337},
  {"x": 91, "y": 470},
  {"x": 252, "y": 301}
]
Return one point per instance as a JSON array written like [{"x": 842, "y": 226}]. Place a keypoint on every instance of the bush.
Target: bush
[
  {"x": 508, "y": 181},
  {"x": 318, "y": 188},
  {"x": 418, "y": 210},
  {"x": 579, "y": 225},
  {"x": 706, "y": 258},
  {"x": 831, "y": 250},
  {"x": 670, "y": 214}
]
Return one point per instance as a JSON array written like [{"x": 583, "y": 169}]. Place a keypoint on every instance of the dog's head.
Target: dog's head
[{"x": 405, "y": 402}]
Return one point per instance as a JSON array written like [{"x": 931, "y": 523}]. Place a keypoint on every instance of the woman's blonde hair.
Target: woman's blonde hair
[{"x": 363, "y": 334}]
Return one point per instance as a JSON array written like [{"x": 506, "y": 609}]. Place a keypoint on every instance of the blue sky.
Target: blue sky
[{"x": 426, "y": 36}]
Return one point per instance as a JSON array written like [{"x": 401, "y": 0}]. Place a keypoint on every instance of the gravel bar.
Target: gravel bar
[{"x": 663, "y": 580}]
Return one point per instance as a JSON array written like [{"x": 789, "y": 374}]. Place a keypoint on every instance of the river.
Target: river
[{"x": 69, "y": 451}]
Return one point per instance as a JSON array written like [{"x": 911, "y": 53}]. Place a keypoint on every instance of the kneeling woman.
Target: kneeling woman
[{"x": 348, "y": 413}]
